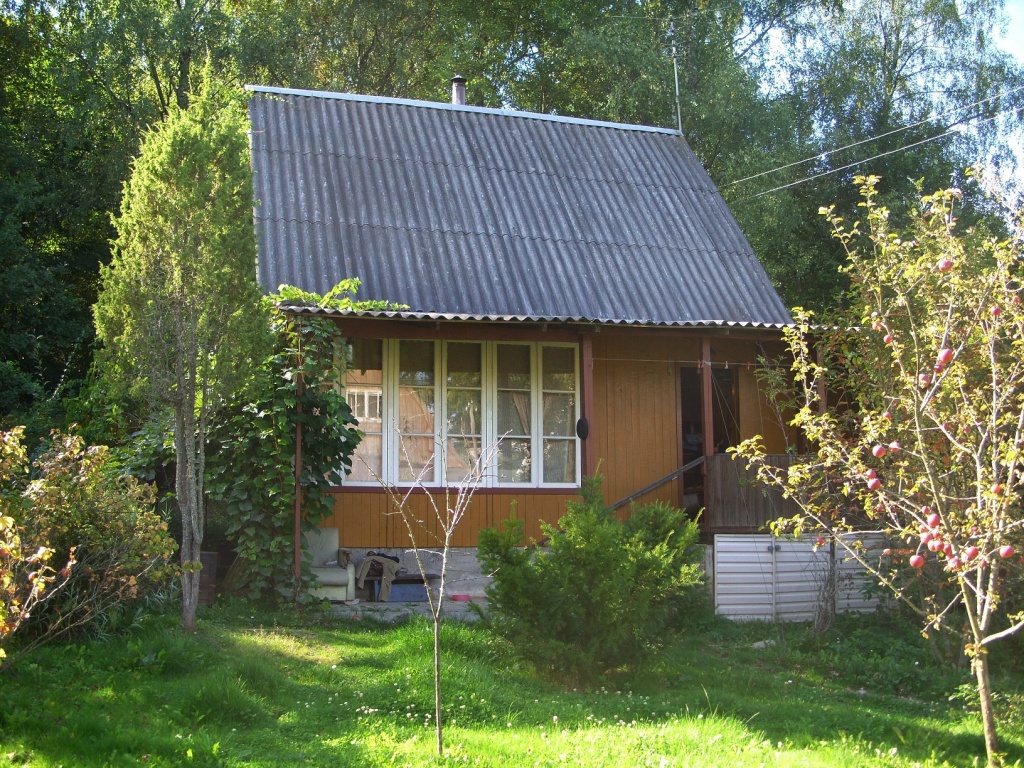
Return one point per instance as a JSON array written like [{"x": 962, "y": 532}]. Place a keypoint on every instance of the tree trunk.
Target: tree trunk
[
  {"x": 188, "y": 492},
  {"x": 988, "y": 715},
  {"x": 437, "y": 684},
  {"x": 189, "y": 583}
]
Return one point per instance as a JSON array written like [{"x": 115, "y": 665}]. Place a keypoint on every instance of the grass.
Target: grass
[{"x": 268, "y": 689}]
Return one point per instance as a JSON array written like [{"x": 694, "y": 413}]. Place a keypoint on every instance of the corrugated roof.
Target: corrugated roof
[{"x": 473, "y": 213}]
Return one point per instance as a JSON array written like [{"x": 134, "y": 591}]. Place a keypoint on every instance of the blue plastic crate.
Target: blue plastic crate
[{"x": 402, "y": 593}]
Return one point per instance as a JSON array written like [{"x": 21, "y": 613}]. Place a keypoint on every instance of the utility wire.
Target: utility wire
[
  {"x": 866, "y": 160},
  {"x": 875, "y": 138}
]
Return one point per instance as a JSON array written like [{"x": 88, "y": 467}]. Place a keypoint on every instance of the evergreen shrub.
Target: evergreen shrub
[{"x": 601, "y": 595}]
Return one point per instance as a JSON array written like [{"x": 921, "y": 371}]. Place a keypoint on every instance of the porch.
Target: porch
[{"x": 732, "y": 498}]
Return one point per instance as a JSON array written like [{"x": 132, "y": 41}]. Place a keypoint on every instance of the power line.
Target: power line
[
  {"x": 866, "y": 160},
  {"x": 875, "y": 138}
]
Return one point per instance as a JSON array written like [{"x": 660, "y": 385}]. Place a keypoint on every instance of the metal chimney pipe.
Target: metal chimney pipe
[{"x": 459, "y": 90}]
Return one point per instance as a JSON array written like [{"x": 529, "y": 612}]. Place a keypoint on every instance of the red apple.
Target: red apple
[
  {"x": 996, "y": 489},
  {"x": 935, "y": 545},
  {"x": 926, "y": 537},
  {"x": 871, "y": 474},
  {"x": 945, "y": 356},
  {"x": 886, "y": 551},
  {"x": 878, "y": 451},
  {"x": 916, "y": 561},
  {"x": 947, "y": 548},
  {"x": 970, "y": 553},
  {"x": 876, "y": 325},
  {"x": 887, "y": 338},
  {"x": 1015, "y": 299},
  {"x": 874, "y": 484},
  {"x": 925, "y": 379},
  {"x": 820, "y": 541},
  {"x": 953, "y": 563},
  {"x": 995, "y": 311},
  {"x": 934, "y": 520},
  {"x": 1006, "y": 551},
  {"x": 944, "y": 265},
  {"x": 887, "y": 415},
  {"x": 894, "y": 446}
]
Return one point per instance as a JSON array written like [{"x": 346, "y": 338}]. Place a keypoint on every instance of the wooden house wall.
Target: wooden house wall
[
  {"x": 635, "y": 426},
  {"x": 369, "y": 519}
]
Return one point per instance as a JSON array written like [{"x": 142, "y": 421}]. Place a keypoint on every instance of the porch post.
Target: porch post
[
  {"x": 298, "y": 495},
  {"x": 708, "y": 423},
  {"x": 587, "y": 406}
]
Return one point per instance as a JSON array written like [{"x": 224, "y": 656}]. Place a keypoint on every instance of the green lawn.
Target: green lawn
[{"x": 271, "y": 689}]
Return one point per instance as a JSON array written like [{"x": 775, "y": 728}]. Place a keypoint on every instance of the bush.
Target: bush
[
  {"x": 602, "y": 595},
  {"x": 25, "y": 574},
  {"x": 75, "y": 502}
]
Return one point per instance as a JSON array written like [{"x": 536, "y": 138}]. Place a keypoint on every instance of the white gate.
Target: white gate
[{"x": 759, "y": 576}]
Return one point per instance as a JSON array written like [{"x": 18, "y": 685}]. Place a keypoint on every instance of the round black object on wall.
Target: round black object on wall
[{"x": 582, "y": 429}]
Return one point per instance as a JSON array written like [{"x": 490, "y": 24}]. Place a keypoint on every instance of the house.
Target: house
[{"x": 578, "y": 289}]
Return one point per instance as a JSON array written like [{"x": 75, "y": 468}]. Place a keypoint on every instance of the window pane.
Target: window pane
[
  {"x": 559, "y": 368},
  {"x": 367, "y": 361},
  {"x": 364, "y": 392},
  {"x": 514, "y": 461},
  {"x": 366, "y": 461},
  {"x": 464, "y": 365},
  {"x": 559, "y": 461},
  {"x": 560, "y": 415},
  {"x": 513, "y": 366},
  {"x": 415, "y": 453},
  {"x": 464, "y": 412},
  {"x": 415, "y": 411},
  {"x": 416, "y": 363},
  {"x": 513, "y": 413},
  {"x": 463, "y": 454}
]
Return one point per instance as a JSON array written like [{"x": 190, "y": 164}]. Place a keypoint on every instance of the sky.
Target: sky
[{"x": 1013, "y": 40}]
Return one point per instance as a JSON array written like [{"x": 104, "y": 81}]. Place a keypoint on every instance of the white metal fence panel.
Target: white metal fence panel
[
  {"x": 744, "y": 576},
  {"x": 759, "y": 576}
]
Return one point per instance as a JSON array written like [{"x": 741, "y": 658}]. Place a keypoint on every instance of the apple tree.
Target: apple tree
[{"x": 913, "y": 404}]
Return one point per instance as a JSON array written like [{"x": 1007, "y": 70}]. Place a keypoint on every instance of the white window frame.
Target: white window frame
[{"x": 392, "y": 450}]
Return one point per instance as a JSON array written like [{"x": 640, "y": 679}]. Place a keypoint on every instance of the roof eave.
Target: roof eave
[{"x": 533, "y": 319}]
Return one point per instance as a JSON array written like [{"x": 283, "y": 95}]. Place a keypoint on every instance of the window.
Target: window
[{"x": 428, "y": 410}]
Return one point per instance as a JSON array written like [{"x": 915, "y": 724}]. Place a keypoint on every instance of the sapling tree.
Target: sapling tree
[
  {"x": 179, "y": 308},
  {"x": 431, "y": 527},
  {"x": 922, "y": 434}
]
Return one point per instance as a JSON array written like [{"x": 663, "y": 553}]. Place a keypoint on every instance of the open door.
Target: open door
[{"x": 692, "y": 438}]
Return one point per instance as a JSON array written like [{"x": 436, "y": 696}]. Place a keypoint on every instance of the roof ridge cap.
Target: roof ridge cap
[{"x": 442, "y": 105}]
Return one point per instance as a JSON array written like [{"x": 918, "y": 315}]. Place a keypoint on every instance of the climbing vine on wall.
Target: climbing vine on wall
[{"x": 251, "y": 479}]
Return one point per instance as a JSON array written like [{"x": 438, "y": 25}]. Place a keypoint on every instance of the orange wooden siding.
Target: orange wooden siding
[
  {"x": 635, "y": 424},
  {"x": 370, "y": 520}
]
